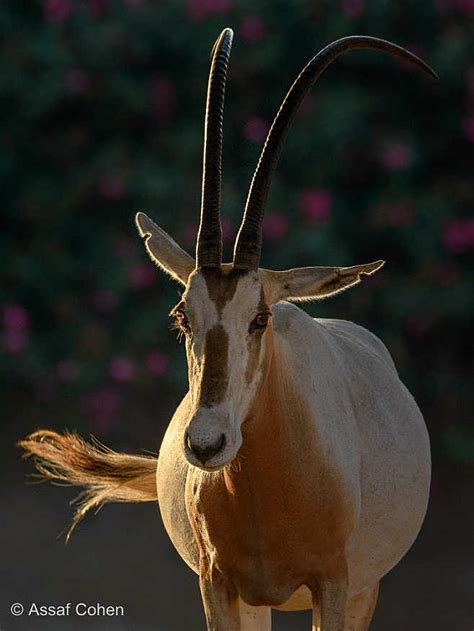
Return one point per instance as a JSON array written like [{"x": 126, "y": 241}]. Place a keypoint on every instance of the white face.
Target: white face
[
  {"x": 225, "y": 317},
  {"x": 227, "y": 324}
]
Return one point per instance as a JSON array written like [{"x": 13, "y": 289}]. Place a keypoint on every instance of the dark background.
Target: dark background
[{"x": 102, "y": 115}]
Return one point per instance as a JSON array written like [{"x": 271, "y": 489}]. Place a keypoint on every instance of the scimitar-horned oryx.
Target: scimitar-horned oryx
[{"x": 295, "y": 472}]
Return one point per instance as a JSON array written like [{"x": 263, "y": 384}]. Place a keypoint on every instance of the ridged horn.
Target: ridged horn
[
  {"x": 209, "y": 239},
  {"x": 248, "y": 243}
]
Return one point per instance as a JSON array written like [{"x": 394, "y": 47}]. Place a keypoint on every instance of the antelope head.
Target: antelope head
[{"x": 225, "y": 312}]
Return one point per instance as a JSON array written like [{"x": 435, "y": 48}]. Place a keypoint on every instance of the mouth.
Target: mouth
[
  {"x": 209, "y": 465},
  {"x": 211, "y": 469}
]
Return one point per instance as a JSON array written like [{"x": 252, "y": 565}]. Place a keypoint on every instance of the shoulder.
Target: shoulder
[
  {"x": 286, "y": 314},
  {"x": 344, "y": 333},
  {"x": 291, "y": 322}
]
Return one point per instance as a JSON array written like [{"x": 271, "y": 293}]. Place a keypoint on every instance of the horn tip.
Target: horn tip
[
  {"x": 428, "y": 69},
  {"x": 228, "y": 33}
]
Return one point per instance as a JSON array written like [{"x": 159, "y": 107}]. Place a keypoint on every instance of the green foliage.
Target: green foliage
[{"x": 102, "y": 115}]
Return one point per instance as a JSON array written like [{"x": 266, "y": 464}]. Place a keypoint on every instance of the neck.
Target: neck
[
  {"x": 259, "y": 509},
  {"x": 276, "y": 431}
]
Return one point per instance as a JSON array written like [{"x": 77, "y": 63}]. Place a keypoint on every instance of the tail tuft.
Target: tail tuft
[{"x": 106, "y": 475}]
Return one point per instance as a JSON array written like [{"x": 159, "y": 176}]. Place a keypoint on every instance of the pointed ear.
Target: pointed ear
[
  {"x": 164, "y": 251},
  {"x": 314, "y": 283}
]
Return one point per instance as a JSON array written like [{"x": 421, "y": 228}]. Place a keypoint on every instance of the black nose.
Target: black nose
[{"x": 203, "y": 454}]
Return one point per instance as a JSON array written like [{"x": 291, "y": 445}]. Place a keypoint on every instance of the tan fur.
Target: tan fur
[
  {"x": 256, "y": 521},
  {"x": 106, "y": 475}
]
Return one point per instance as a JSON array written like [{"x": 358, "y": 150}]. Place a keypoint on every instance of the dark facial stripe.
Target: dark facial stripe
[
  {"x": 262, "y": 305},
  {"x": 221, "y": 285},
  {"x": 215, "y": 378},
  {"x": 254, "y": 343}
]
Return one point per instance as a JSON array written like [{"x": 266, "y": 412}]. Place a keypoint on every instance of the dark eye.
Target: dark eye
[{"x": 260, "y": 321}]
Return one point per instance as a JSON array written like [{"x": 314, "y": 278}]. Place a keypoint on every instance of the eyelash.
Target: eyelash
[
  {"x": 180, "y": 323},
  {"x": 181, "y": 319}
]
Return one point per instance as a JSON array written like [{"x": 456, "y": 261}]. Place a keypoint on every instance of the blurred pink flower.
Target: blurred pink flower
[
  {"x": 122, "y": 369},
  {"x": 252, "y": 29},
  {"x": 76, "y": 81},
  {"x": 352, "y": 8},
  {"x": 56, "y": 11},
  {"x": 68, "y": 370},
  {"x": 201, "y": 9},
  {"x": 163, "y": 99},
  {"x": 435, "y": 486},
  {"x": 458, "y": 235},
  {"x": 306, "y": 106},
  {"x": 466, "y": 5},
  {"x": 15, "y": 334},
  {"x": 141, "y": 276},
  {"x": 157, "y": 362},
  {"x": 445, "y": 274},
  {"x": 226, "y": 228},
  {"x": 275, "y": 226},
  {"x": 15, "y": 317},
  {"x": 397, "y": 155},
  {"x": 450, "y": 6},
  {"x": 419, "y": 324},
  {"x": 256, "y": 129},
  {"x": 102, "y": 406},
  {"x": 105, "y": 300},
  {"x": 190, "y": 232},
  {"x": 97, "y": 8},
  {"x": 443, "y": 6},
  {"x": 468, "y": 128},
  {"x": 470, "y": 80},
  {"x": 124, "y": 246},
  {"x": 400, "y": 215},
  {"x": 15, "y": 340},
  {"x": 316, "y": 205},
  {"x": 45, "y": 388},
  {"x": 111, "y": 187}
]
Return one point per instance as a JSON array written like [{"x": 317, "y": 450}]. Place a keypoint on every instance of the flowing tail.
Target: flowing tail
[{"x": 107, "y": 476}]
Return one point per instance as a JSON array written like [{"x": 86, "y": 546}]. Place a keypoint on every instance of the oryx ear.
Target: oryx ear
[
  {"x": 313, "y": 283},
  {"x": 164, "y": 251}
]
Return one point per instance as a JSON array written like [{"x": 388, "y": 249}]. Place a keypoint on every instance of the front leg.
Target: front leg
[
  {"x": 255, "y": 618},
  {"x": 329, "y": 606},
  {"x": 221, "y": 603}
]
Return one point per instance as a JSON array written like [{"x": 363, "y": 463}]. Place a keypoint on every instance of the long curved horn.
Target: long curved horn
[
  {"x": 249, "y": 239},
  {"x": 209, "y": 240}
]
